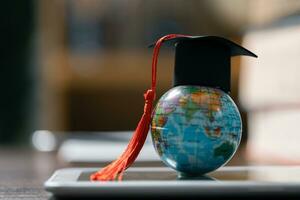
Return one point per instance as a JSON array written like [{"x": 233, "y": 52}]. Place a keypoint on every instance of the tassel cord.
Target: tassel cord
[{"x": 115, "y": 170}]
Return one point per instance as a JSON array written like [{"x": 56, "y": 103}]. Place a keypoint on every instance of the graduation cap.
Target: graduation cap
[{"x": 205, "y": 60}]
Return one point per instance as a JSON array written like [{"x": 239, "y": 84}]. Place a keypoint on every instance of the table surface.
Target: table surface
[{"x": 23, "y": 172}]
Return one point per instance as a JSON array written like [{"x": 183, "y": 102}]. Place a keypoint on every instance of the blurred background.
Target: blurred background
[{"x": 82, "y": 66}]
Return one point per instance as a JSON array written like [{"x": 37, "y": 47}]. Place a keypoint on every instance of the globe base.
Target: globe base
[{"x": 185, "y": 176}]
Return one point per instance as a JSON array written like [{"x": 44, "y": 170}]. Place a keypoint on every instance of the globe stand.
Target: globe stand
[{"x": 185, "y": 176}]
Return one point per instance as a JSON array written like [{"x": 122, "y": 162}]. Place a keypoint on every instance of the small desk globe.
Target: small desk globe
[{"x": 195, "y": 130}]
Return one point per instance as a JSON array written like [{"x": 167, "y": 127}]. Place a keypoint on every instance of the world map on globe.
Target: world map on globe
[{"x": 196, "y": 130}]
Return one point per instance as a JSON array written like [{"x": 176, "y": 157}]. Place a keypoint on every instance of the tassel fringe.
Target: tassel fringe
[{"x": 115, "y": 170}]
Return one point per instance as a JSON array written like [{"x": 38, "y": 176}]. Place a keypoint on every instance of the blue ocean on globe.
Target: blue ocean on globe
[{"x": 196, "y": 130}]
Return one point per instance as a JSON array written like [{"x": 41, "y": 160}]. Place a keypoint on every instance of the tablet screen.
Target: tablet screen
[{"x": 266, "y": 174}]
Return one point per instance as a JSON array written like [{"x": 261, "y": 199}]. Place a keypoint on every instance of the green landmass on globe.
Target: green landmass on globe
[{"x": 225, "y": 150}]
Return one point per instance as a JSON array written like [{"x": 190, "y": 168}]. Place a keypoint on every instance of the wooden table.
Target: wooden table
[{"x": 23, "y": 171}]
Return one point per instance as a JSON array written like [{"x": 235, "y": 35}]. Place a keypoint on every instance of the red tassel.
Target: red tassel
[{"x": 116, "y": 169}]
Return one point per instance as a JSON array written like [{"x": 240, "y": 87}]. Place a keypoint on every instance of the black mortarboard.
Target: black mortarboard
[{"x": 205, "y": 61}]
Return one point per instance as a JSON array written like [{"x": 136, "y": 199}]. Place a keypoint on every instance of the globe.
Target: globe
[{"x": 195, "y": 130}]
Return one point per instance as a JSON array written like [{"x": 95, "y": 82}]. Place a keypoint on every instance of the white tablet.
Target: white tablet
[{"x": 152, "y": 182}]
